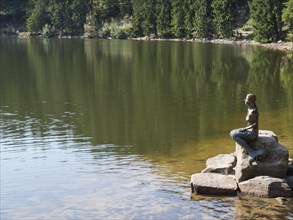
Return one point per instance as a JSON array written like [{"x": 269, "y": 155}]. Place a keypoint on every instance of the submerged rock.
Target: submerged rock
[
  {"x": 274, "y": 163},
  {"x": 222, "y": 164},
  {"x": 265, "y": 186},
  {"x": 213, "y": 184}
]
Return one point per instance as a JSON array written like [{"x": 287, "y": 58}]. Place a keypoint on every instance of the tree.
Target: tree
[
  {"x": 59, "y": 17},
  {"x": 38, "y": 16},
  {"x": 177, "y": 22},
  {"x": 149, "y": 25},
  {"x": 77, "y": 15},
  {"x": 288, "y": 17},
  {"x": 108, "y": 9},
  {"x": 125, "y": 7},
  {"x": 16, "y": 8},
  {"x": 223, "y": 17},
  {"x": 163, "y": 11},
  {"x": 266, "y": 17},
  {"x": 138, "y": 18},
  {"x": 90, "y": 27},
  {"x": 189, "y": 11},
  {"x": 277, "y": 19},
  {"x": 201, "y": 18}
]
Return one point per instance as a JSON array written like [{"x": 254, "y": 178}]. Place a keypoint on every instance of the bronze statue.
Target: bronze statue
[{"x": 244, "y": 136}]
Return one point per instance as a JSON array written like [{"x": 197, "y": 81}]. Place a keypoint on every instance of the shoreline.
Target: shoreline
[{"x": 282, "y": 46}]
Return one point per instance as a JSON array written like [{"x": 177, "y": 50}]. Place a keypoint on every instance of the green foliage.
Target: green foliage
[
  {"x": 189, "y": 11},
  {"x": 47, "y": 31},
  {"x": 163, "y": 11},
  {"x": 201, "y": 19},
  {"x": 177, "y": 22},
  {"x": 266, "y": 17},
  {"x": 288, "y": 18},
  {"x": 223, "y": 17},
  {"x": 125, "y": 7},
  {"x": 137, "y": 18},
  {"x": 144, "y": 17},
  {"x": 115, "y": 30},
  {"x": 108, "y": 9},
  {"x": 124, "y": 31},
  {"x": 90, "y": 27},
  {"x": 66, "y": 16},
  {"x": 162, "y": 18},
  {"x": 77, "y": 16},
  {"x": 37, "y": 18},
  {"x": 58, "y": 15},
  {"x": 13, "y": 7},
  {"x": 149, "y": 14}
]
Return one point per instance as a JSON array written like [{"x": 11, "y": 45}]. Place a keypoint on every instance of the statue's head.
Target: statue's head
[{"x": 250, "y": 99}]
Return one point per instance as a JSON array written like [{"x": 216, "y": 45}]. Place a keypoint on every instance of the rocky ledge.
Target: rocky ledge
[{"x": 269, "y": 176}]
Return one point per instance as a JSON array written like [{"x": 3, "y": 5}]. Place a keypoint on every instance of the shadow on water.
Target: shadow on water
[{"x": 164, "y": 107}]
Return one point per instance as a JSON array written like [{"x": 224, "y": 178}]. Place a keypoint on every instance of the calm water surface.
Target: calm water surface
[{"x": 99, "y": 129}]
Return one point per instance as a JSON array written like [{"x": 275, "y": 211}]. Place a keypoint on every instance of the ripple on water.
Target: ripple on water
[{"x": 56, "y": 174}]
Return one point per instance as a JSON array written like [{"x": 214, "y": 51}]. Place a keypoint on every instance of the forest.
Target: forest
[{"x": 261, "y": 20}]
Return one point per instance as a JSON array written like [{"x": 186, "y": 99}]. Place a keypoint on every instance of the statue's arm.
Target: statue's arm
[{"x": 250, "y": 126}]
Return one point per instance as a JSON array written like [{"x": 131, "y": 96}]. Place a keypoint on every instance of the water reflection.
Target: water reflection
[
  {"x": 152, "y": 95},
  {"x": 108, "y": 126}
]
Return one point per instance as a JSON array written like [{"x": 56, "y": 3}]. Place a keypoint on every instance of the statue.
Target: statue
[{"x": 244, "y": 136}]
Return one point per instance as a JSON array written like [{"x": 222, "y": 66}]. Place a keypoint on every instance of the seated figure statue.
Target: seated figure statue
[{"x": 244, "y": 136}]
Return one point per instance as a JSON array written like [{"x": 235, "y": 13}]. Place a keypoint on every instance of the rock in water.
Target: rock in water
[
  {"x": 213, "y": 184},
  {"x": 273, "y": 164},
  {"x": 222, "y": 164},
  {"x": 265, "y": 186}
]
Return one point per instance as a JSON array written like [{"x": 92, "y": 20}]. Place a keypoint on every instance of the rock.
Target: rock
[
  {"x": 275, "y": 163},
  {"x": 265, "y": 186},
  {"x": 213, "y": 184},
  {"x": 290, "y": 181},
  {"x": 222, "y": 164},
  {"x": 281, "y": 200}
]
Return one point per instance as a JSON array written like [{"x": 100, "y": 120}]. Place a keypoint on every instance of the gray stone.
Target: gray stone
[
  {"x": 274, "y": 164},
  {"x": 282, "y": 200},
  {"x": 222, "y": 164},
  {"x": 213, "y": 184},
  {"x": 265, "y": 186}
]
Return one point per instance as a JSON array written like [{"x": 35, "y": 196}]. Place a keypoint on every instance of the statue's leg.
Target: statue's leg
[{"x": 242, "y": 138}]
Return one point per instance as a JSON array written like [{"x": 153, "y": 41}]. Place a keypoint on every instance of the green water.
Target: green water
[{"x": 114, "y": 129}]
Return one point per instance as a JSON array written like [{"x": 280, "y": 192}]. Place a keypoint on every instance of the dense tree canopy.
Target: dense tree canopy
[
  {"x": 288, "y": 18},
  {"x": 223, "y": 17},
  {"x": 267, "y": 19},
  {"x": 271, "y": 19}
]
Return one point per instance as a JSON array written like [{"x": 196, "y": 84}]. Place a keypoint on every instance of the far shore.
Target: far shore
[{"x": 283, "y": 46}]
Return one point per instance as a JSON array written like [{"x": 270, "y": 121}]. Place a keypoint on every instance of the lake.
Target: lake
[{"x": 104, "y": 129}]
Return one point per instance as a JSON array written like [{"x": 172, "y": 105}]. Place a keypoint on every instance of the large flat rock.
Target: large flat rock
[
  {"x": 275, "y": 164},
  {"x": 213, "y": 184},
  {"x": 265, "y": 186},
  {"x": 222, "y": 164}
]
